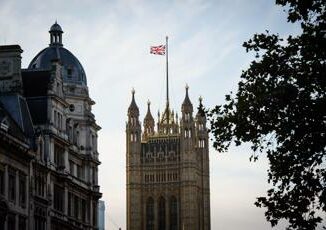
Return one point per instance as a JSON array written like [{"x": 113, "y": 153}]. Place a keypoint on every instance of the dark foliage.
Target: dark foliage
[{"x": 280, "y": 108}]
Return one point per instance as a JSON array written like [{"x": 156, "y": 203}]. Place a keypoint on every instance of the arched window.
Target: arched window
[
  {"x": 173, "y": 213},
  {"x": 150, "y": 214},
  {"x": 161, "y": 213}
]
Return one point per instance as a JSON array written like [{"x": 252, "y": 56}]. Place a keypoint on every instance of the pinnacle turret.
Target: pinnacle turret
[
  {"x": 133, "y": 108},
  {"x": 187, "y": 105},
  {"x": 148, "y": 121}
]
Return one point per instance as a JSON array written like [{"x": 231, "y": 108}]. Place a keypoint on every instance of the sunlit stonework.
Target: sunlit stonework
[{"x": 167, "y": 169}]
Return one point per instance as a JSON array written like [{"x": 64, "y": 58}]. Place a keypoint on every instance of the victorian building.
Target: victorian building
[
  {"x": 48, "y": 141},
  {"x": 167, "y": 169}
]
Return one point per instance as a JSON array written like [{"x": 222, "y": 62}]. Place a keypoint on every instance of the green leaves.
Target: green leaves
[{"x": 280, "y": 109}]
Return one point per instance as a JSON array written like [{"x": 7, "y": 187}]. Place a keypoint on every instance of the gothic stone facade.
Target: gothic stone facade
[
  {"x": 167, "y": 170},
  {"x": 48, "y": 141}
]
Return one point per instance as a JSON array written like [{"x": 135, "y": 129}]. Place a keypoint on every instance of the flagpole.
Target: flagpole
[
  {"x": 167, "y": 71},
  {"x": 167, "y": 79}
]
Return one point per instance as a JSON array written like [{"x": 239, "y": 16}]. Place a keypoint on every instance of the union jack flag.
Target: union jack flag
[{"x": 159, "y": 50}]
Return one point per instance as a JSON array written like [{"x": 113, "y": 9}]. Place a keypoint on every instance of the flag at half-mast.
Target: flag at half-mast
[{"x": 159, "y": 50}]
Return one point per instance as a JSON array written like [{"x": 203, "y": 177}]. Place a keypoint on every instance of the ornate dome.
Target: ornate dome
[{"x": 73, "y": 71}]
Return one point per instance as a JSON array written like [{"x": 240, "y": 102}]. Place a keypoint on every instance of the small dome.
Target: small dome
[
  {"x": 56, "y": 28},
  {"x": 72, "y": 71}
]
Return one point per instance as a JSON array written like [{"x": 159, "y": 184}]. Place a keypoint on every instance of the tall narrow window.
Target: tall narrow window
[
  {"x": 22, "y": 190},
  {"x": 58, "y": 156},
  {"x": 150, "y": 214},
  {"x": 173, "y": 213},
  {"x": 58, "y": 198},
  {"x": 76, "y": 207},
  {"x": 22, "y": 223},
  {"x": 83, "y": 209},
  {"x": 161, "y": 214},
  {"x": 70, "y": 196},
  {"x": 2, "y": 180},
  {"x": 11, "y": 222},
  {"x": 12, "y": 186}
]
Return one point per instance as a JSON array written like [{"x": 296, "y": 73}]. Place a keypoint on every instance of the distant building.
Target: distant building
[
  {"x": 167, "y": 169},
  {"x": 101, "y": 215},
  {"x": 48, "y": 141}
]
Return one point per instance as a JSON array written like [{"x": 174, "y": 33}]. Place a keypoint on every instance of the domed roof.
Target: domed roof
[
  {"x": 73, "y": 71},
  {"x": 56, "y": 27}
]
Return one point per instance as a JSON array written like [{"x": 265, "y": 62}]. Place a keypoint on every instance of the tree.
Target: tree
[{"x": 280, "y": 109}]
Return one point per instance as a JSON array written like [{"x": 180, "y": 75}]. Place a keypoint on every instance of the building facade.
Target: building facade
[
  {"x": 47, "y": 108},
  {"x": 101, "y": 215},
  {"x": 167, "y": 169}
]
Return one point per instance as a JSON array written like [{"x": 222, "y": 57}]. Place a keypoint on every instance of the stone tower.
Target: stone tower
[{"x": 167, "y": 169}]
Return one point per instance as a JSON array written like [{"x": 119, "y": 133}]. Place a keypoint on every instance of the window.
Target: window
[
  {"x": 93, "y": 142},
  {"x": 70, "y": 204},
  {"x": 58, "y": 197},
  {"x": 187, "y": 133},
  {"x": 187, "y": 117},
  {"x": 80, "y": 172},
  {"x": 83, "y": 210},
  {"x": 69, "y": 72},
  {"x": 150, "y": 214},
  {"x": 55, "y": 117},
  {"x": 12, "y": 186},
  {"x": 173, "y": 213},
  {"x": 2, "y": 180},
  {"x": 201, "y": 143},
  {"x": 95, "y": 213},
  {"x": 58, "y": 156},
  {"x": 161, "y": 214},
  {"x": 133, "y": 121},
  {"x": 11, "y": 222},
  {"x": 40, "y": 218},
  {"x": 133, "y": 137},
  {"x": 71, "y": 167},
  {"x": 94, "y": 179},
  {"x": 76, "y": 138},
  {"x": 40, "y": 182},
  {"x": 41, "y": 150},
  {"x": 22, "y": 223},
  {"x": 22, "y": 190},
  {"x": 76, "y": 207}
]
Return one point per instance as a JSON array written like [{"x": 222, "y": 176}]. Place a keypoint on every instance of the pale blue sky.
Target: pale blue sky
[{"x": 112, "y": 39}]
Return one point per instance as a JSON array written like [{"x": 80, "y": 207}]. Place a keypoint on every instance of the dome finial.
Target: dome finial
[{"x": 56, "y": 34}]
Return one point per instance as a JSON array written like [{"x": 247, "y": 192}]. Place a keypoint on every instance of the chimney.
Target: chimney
[{"x": 10, "y": 69}]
